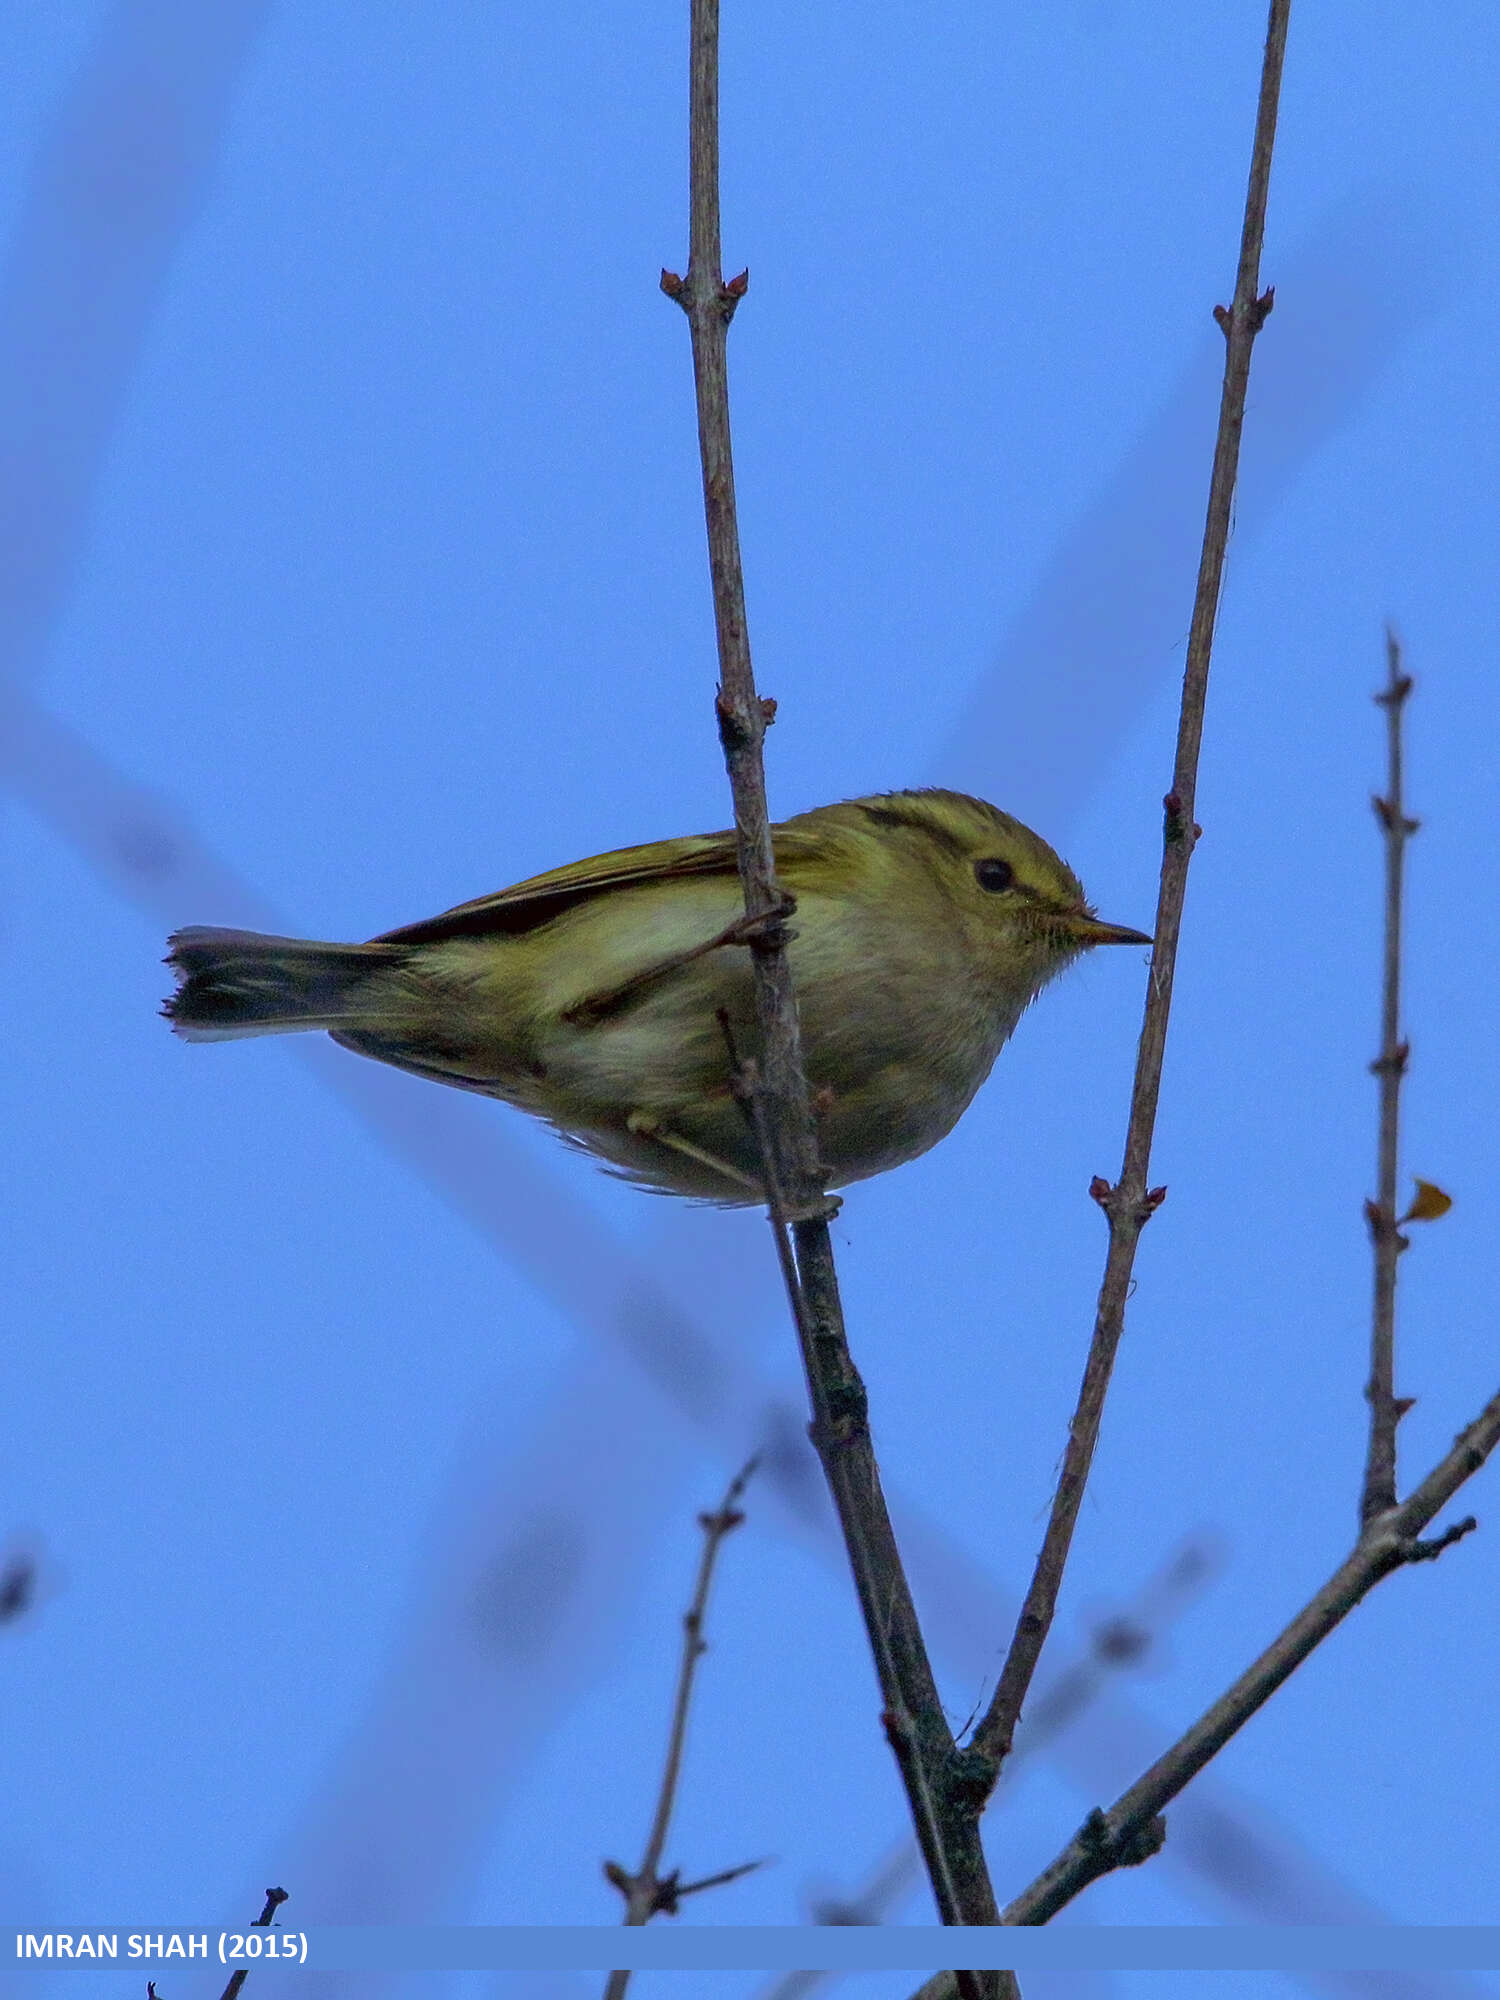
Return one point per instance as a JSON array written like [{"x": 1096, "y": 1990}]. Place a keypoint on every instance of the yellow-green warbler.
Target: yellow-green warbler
[{"x": 596, "y": 996}]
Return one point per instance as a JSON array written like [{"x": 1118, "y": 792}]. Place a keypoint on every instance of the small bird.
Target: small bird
[{"x": 606, "y": 997}]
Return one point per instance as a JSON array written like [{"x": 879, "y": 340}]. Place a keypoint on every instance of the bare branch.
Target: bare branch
[
  {"x": 940, "y": 1793},
  {"x": 648, "y": 1892},
  {"x": 1113, "y": 1839},
  {"x": 1389, "y": 1066},
  {"x": 1130, "y": 1203}
]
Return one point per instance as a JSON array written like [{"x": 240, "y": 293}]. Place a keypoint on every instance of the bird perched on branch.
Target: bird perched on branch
[{"x": 606, "y": 997}]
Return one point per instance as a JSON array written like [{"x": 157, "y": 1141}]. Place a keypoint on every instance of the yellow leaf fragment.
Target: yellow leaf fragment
[{"x": 1428, "y": 1203}]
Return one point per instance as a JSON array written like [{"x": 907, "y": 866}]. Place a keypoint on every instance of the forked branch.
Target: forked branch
[{"x": 1132, "y": 1825}]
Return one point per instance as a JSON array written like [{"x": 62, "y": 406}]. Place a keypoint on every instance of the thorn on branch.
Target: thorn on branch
[
  {"x": 1392, "y": 1064},
  {"x": 1257, "y": 315},
  {"x": 1110, "y": 1199},
  {"x": 729, "y": 294},
  {"x": 739, "y": 728},
  {"x": 717, "y": 1881},
  {"x": 1385, "y": 812},
  {"x": 737, "y": 725},
  {"x": 664, "y": 1895},
  {"x": 1429, "y": 1551},
  {"x": 1399, "y": 1406},
  {"x": 1386, "y": 1228}
]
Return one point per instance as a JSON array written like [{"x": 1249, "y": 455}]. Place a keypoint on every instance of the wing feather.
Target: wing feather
[{"x": 530, "y": 904}]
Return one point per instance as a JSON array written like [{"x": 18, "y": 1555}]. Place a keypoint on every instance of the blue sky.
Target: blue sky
[{"x": 364, "y": 1531}]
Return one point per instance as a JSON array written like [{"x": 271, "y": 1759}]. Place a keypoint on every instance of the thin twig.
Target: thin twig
[
  {"x": 1386, "y": 1410},
  {"x": 1130, "y": 1203},
  {"x": 648, "y": 1892},
  {"x": 1132, "y": 1829},
  {"x": 939, "y": 1791},
  {"x": 274, "y": 1900}
]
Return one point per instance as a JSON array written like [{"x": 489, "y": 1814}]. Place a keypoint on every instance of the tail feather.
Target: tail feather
[{"x": 234, "y": 983}]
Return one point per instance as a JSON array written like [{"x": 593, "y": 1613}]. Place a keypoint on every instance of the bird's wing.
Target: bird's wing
[{"x": 512, "y": 912}]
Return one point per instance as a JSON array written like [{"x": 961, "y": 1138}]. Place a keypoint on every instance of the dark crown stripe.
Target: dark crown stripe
[{"x": 914, "y": 820}]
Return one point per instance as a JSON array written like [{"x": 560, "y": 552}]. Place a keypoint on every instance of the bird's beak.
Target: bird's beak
[{"x": 1087, "y": 930}]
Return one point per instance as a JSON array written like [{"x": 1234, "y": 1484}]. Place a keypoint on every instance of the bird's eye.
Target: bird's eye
[{"x": 994, "y": 875}]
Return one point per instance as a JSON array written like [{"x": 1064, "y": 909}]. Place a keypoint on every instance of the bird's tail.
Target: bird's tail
[{"x": 233, "y": 983}]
